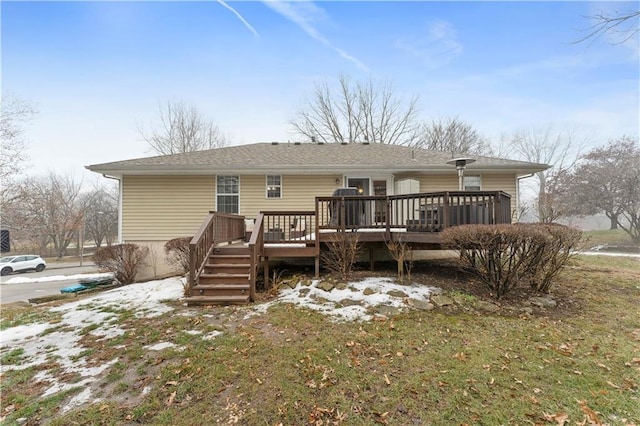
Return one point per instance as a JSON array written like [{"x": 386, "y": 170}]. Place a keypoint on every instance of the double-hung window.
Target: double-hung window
[
  {"x": 228, "y": 194},
  {"x": 274, "y": 186},
  {"x": 472, "y": 183}
]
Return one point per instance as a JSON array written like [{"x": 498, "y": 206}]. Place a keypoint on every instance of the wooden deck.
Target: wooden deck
[{"x": 416, "y": 219}]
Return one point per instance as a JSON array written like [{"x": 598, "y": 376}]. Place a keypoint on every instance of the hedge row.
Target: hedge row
[{"x": 504, "y": 256}]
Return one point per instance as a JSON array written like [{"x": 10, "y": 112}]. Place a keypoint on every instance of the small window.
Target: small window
[
  {"x": 472, "y": 183},
  {"x": 274, "y": 186}
]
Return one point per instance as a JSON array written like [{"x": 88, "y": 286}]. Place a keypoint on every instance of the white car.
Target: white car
[{"x": 27, "y": 262}]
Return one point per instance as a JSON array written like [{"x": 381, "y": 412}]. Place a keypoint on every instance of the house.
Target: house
[{"x": 169, "y": 196}]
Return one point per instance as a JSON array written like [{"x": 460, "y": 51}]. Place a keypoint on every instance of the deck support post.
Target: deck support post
[
  {"x": 317, "y": 267},
  {"x": 266, "y": 273},
  {"x": 371, "y": 259}
]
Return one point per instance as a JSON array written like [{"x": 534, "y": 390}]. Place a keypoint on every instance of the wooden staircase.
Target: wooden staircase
[{"x": 226, "y": 278}]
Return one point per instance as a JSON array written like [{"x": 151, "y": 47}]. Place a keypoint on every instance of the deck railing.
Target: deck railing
[
  {"x": 422, "y": 212},
  {"x": 293, "y": 227},
  {"x": 217, "y": 228}
]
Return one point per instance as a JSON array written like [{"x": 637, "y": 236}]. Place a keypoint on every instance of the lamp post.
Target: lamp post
[
  {"x": 84, "y": 223},
  {"x": 460, "y": 164}
]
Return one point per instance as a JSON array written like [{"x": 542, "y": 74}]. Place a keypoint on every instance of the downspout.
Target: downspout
[
  {"x": 119, "y": 205},
  {"x": 518, "y": 190}
]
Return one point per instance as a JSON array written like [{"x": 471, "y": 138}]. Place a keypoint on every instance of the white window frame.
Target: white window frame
[
  {"x": 218, "y": 193},
  {"x": 464, "y": 182},
  {"x": 267, "y": 186}
]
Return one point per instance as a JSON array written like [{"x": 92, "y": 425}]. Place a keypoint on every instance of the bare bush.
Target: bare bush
[
  {"x": 403, "y": 255},
  {"x": 561, "y": 245},
  {"x": 123, "y": 260},
  {"x": 177, "y": 253},
  {"x": 343, "y": 250},
  {"x": 502, "y": 256}
]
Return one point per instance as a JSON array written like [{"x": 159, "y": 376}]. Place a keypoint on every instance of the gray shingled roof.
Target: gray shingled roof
[{"x": 308, "y": 158}]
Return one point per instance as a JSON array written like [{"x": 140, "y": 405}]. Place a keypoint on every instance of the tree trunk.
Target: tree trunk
[{"x": 614, "y": 222}]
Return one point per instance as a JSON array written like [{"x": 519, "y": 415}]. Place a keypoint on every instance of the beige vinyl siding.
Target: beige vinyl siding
[
  {"x": 506, "y": 183},
  {"x": 159, "y": 208},
  {"x": 449, "y": 182},
  {"x": 298, "y": 192}
]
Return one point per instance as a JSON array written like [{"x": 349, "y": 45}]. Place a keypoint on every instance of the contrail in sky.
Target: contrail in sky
[
  {"x": 244, "y": 21},
  {"x": 302, "y": 14}
]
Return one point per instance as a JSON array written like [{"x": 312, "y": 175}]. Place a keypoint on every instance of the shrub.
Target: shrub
[
  {"x": 177, "y": 253},
  {"x": 560, "y": 246},
  {"x": 502, "y": 256},
  {"x": 343, "y": 249},
  {"x": 122, "y": 259}
]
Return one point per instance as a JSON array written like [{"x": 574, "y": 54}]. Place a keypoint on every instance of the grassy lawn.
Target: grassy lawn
[
  {"x": 577, "y": 362},
  {"x": 610, "y": 237}
]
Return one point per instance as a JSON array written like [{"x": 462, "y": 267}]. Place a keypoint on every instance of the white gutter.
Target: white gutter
[
  {"x": 518, "y": 178},
  {"x": 119, "y": 205}
]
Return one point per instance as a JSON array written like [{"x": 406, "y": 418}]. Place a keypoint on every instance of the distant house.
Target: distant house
[{"x": 169, "y": 196}]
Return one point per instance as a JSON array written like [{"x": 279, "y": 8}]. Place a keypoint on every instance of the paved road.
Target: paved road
[{"x": 24, "y": 291}]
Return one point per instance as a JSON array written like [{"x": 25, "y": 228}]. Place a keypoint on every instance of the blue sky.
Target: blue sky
[{"x": 95, "y": 70}]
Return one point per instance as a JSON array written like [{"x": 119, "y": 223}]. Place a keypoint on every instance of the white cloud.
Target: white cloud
[
  {"x": 439, "y": 47},
  {"x": 305, "y": 14}
]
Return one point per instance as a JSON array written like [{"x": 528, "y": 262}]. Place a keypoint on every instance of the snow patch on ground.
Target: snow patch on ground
[
  {"x": 43, "y": 343},
  {"x": 160, "y": 346},
  {"x": 354, "y": 302},
  {"x": 145, "y": 298},
  {"x": 612, "y": 254},
  {"x": 22, "y": 332},
  {"x": 27, "y": 280},
  {"x": 212, "y": 335}
]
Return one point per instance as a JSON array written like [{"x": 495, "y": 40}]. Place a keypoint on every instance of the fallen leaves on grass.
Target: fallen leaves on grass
[
  {"x": 559, "y": 418},
  {"x": 320, "y": 416},
  {"x": 592, "y": 417},
  {"x": 171, "y": 398}
]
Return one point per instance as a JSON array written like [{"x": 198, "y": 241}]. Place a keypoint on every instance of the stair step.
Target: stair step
[
  {"x": 220, "y": 289},
  {"x": 222, "y": 278},
  {"x": 224, "y": 275},
  {"x": 215, "y": 259},
  {"x": 229, "y": 265},
  {"x": 219, "y": 268},
  {"x": 217, "y": 300},
  {"x": 232, "y": 250}
]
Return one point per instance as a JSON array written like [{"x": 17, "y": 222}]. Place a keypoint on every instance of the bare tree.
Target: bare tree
[
  {"x": 561, "y": 149},
  {"x": 454, "y": 135},
  {"x": 101, "y": 216},
  {"x": 182, "y": 128},
  {"x": 14, "y": 113},
  {"x": 619, "y": 26},
  {"x": 360, "y": 112},
  {"x": 607, "y": 179},
  {"x": 50, "y": 210}
]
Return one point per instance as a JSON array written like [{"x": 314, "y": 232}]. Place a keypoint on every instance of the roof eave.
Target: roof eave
[{"x": 324, "y": 169}]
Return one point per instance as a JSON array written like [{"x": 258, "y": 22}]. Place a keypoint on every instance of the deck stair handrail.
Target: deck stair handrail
[
  {"x": 256, "y": 249},
  {"x": 217, "y": 228}
]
